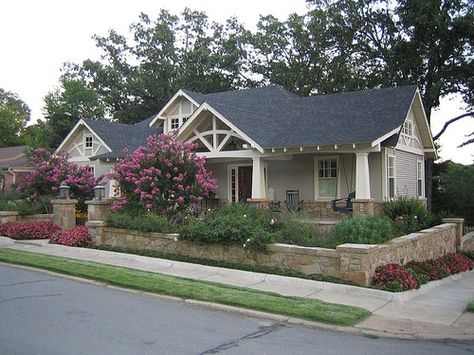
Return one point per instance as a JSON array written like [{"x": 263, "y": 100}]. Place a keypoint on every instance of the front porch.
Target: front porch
[{"x": 312, "y": 179}]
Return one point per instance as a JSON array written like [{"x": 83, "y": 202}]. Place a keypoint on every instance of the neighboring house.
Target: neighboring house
[
  {"x": 263, "y": 143},
  {"x": 99, "y": 143},
  {"x": 14, "y": 166}
]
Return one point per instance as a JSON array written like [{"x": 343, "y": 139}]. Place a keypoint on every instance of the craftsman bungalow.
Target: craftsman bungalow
[{"x": 266, "y": 144}]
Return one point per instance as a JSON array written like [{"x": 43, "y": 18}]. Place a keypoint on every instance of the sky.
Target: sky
[{"x": 37, "y": 37}]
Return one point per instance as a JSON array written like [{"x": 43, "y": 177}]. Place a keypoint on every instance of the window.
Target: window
[
  {"x": 91, "y": 169},
  {"x": 408, "y": 128},
  {"x": 174, "y": 123},
  {"x": 327, "y": 178},
  {"x": 419, "y": 178},
  {"x": 89, "y": 142},
  {"x": 391, "y": 177}
]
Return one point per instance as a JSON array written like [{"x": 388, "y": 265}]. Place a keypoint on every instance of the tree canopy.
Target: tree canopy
[
  {"x": 14, "y": 114},
  {"x": 337, "y": 46}
]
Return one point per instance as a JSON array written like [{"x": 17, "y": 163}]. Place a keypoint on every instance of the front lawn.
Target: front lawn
[{"x": 298, "y": 307}]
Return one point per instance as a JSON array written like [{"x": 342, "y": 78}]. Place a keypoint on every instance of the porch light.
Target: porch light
[
  {"x": 232, "y": 145},
  {"x": 99, "y": 192},
  {"x": 64, "y": 191}
]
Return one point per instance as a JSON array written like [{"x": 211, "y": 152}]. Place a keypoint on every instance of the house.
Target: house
[
  {"x": 99, "y": 143},
  {"x": 14, "y": 167},
  {"x": 266, "y": 144}
]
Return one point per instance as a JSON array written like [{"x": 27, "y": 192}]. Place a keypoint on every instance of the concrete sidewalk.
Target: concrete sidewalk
[{"x": 436, "y": 311}]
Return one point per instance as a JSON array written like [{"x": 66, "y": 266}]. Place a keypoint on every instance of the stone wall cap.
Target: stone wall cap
[
  {"x": 280, "y": 247},
  {"x": 362, "y": 200},
  {"x": 453, "y": 220},
  {"x": 64, "y": 201},
  {"x": 358, "y": 248},
  {"x": 8, "y": 213},
  {"x": 96, "y": 223},
  {"x": 105, "y": 201}
]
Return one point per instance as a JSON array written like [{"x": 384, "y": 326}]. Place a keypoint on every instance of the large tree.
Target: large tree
[
  {"x": 138, "y": 73},
  {"x": 66, "y": 104},
  {"x": 14, "y": 114}
]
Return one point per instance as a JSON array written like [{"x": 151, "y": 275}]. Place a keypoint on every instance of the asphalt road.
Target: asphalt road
[{"x": 45, "y": 314}]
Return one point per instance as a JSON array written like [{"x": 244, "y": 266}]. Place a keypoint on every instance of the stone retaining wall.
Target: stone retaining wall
[
  {"x": 352, "y": 262},
  {"x": 14, "y": 216}
]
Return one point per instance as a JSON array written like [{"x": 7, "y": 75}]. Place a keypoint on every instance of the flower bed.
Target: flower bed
[
  {"x": 29, "y": 230},
  {"x": 394, "y": 277},
  {"x": 76, "y": 237}
]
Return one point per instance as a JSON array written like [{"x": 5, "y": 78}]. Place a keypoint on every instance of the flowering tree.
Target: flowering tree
[
  {"x": 53, "y": 170},
  {"x": 165, "y": 177}
]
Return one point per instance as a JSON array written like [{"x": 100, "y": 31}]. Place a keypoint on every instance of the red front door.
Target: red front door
[{"x": 245, "y": 183}]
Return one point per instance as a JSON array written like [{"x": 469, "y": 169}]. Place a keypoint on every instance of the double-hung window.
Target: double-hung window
[
  {"x": 419, "y": 178},
  {"x": 391, "y": 176}
]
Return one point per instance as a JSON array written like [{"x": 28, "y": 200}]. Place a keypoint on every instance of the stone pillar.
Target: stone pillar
[
  {"x": 258, "y": 179},
  {"x": 64, "y": 213},
  {"x": 459, "y": 222},
  {"x": 356, "y": 262},
  {"x": 97, "y": 210},
  {"x": 96, "y": 230},
  {"x": 363, "y": 207},
  {"x": 8, "y": 216},
  {"x": 362, "y": 176}
]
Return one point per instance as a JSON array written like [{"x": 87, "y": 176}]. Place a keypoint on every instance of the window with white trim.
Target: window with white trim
[
  {"x": 174, "y": 123},
  {"x": 91, "y": 169},
  {"x": 391, "y": 176},
  {"x": 327, "y": 177},
  {"x": 419, "y": 178},
  {"x": 89, "y": 141}
]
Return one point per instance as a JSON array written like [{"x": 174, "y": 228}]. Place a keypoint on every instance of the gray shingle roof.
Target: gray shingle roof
[
  {"x": 275, "y": 118},
  {"x": 119, "y": 136}
]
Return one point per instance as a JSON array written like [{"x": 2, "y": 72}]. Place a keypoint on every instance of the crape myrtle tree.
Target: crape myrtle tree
[
  {"x": 165, "y": 177},
  {"x": 50, "y": 171}
]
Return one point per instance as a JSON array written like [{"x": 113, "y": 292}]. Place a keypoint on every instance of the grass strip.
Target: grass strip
[
  {"x": 470, "y": 306},
  {"x": 298, "y": 307}
]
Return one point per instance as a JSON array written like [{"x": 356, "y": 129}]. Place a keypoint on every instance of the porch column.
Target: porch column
[
  {"x": 363, "y": 204},
  {"x": 258, "y": 179},
  {"x": 362, "y": 176}
]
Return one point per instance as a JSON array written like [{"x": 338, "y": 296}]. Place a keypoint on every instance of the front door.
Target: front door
[
  {"x": 240, "y": 183},
  {"x": 245, "y": 183}
]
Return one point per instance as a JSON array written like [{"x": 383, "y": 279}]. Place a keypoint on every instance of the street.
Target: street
[{"x": 46, "y": 314}]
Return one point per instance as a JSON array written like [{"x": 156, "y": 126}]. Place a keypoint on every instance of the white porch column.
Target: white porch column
[
  {"x": 362, "y": 176},
  {"x": 258, "y": 179}
]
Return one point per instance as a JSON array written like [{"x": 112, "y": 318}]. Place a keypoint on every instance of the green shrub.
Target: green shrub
[
  {"x": 26, "y": 207},
  {"x": 235, "y": 224},
  {"x": 8, "y": 205},
  {"x": 408, "y": 214},
  {"x": 146, "y": 222},
  {"x": 293, "y": 230},
  {"x": 364, "y": 230}
]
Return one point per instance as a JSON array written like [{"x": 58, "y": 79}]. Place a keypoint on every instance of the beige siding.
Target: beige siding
[
  {"x": 375, "y": 167},
  {"x": 406, "y": 173}
]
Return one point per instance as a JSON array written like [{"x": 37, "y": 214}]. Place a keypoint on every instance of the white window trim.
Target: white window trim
[
  {"x": 180, "y": 117},
  {"x": 229, "y": 179},
  {"x": 387, "y": 182},
  {"x": 316, "y": 177},
  {"x": 419, "y": 160},
  {"x": 85, "y": 141}
]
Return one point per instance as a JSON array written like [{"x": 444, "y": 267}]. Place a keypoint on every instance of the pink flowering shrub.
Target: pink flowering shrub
[
  {"x": 53, "y": 170},
  {"x": 165, "y": 177},
  {"x": 29, "y": 230},
  {"x": 76, "y": 237}
]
